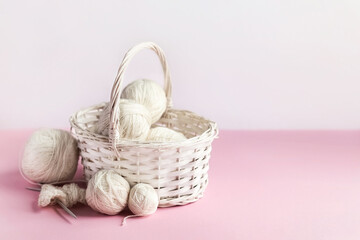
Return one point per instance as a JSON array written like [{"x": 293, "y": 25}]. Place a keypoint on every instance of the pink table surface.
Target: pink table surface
[{"x": 263, "y": 185}]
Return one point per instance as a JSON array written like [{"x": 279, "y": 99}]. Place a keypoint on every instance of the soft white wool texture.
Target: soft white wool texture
[
  {"x": 143, "y": 199},
  {"x": 162, "y": 134},
  {"x": 50, "y": 155},
  {"x": 148, "y": 93},
  {"x": 107, "y": 192},
  {"x": 135, "y": 121},
  {"x": 68, "y": 194},
  {"x": 102, "y": 126}
]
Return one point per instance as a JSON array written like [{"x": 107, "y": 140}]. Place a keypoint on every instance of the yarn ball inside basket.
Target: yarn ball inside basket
[
  {"x": 107, "y": 192},
  {"x": 143, "y": 199},
  {"x": 50, "y": 155},
  {"x": 134, "y": 121},
  {"x": 163, "y": 134},
  {"x": 148, "y": 93}
]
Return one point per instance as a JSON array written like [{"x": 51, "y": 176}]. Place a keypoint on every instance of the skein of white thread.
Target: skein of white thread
[
  {"x": 107, "y": 192},
  {"x": 143, "y": 201},
  {"x": 50, "y": 155},
  {"x": 148, "y": 93},
  {"x": 162, "y": 134},
  {"x": 135, "y": 121}
]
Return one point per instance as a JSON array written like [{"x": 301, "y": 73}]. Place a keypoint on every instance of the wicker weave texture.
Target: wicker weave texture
[{"x": 177, "y": 170}]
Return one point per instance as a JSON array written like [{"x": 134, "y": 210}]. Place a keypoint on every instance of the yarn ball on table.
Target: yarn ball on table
[
  {"x": 50, "y": 155},
  {"x": 143, "y": 199},
  {"x": 135, "y": 121},
  {"x": 148, "y": 93},
  {"x": 163, "y": 134},
  {"x": 107, "y": 192}
]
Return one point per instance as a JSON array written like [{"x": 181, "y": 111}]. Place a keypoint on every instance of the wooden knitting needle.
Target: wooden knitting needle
[{"x": 66, "y": 209}]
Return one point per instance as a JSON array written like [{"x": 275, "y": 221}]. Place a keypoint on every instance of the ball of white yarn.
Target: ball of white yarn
[
  {"x": 162, "y": 134},
  {"x": 148, "y": 93},
  {"x": 107, "y": 192},
  {"x": 134, "y": 122},
  {"x": 50, "y": 155},
  {"x": 143, "y": 199}
]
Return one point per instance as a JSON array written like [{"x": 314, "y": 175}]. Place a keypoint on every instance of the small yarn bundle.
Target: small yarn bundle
[
  {"x": 148, "y": 93},
  {"x": 135, "y": 121},
  {"x": 50, "y": 155},
  {"x": 68, "y": 194},
  {"x": 107, "y": 192},
  {"x": 162, "y": 134},
  {"x": 143, "y": 199}
]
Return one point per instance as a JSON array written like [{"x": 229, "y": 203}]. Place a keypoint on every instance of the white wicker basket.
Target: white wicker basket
[{"x": 178, "y": 170}]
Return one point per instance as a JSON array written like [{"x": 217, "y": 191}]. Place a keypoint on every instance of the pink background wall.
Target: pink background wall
[{"x": 245, "y": 64}]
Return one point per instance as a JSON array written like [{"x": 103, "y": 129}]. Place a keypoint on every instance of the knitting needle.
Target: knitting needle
[
  {"x": 66, "y": 209},
  {"x": 33, "y": 189}
]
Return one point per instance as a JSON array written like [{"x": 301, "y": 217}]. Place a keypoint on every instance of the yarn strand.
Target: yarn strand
[{"x": 123, "y": 223}]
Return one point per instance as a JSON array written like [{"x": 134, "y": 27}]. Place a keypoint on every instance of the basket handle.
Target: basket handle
[{"x": 115, "y": 92}]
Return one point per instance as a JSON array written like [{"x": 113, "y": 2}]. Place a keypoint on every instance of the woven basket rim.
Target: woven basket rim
[{"x": 210, "y": 132}]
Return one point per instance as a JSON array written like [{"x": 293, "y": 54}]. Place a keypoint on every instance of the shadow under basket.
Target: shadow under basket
[{"x": 178, "y": 171}]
